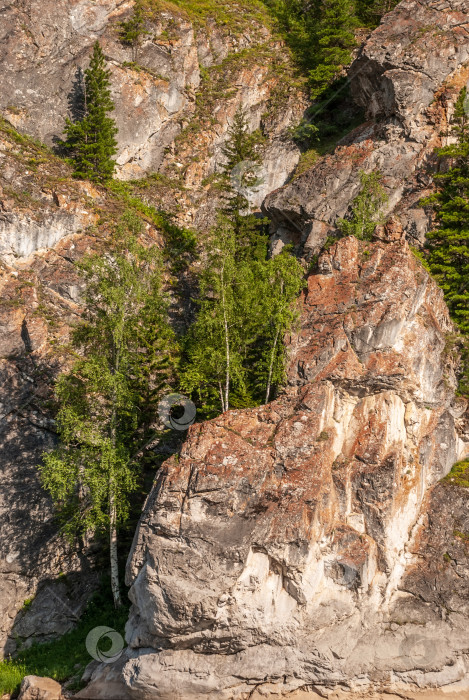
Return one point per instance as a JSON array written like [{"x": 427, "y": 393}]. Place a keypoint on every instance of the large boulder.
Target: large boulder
[
  {"x": 271, "y": 552},
  {"x": 37, "y": 688}
]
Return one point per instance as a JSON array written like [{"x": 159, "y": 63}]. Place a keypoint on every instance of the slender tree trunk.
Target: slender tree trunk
[
  {"x": 271, "y": 366},
  {"x": 116, "y": 594},
  {"x": 227, "y": 345},
  {"x": 222, "y": 398},
  {"x": 113, "y": 554}
]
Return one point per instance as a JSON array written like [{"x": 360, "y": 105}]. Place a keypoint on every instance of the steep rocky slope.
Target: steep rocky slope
[
  {"x": 284, "y": 548},
  {"x": 310, "y": 543},
  {"x": 47, "y": 221},
  {"x": 407, "y": 76},
  {"x": 174, "y": 98}
]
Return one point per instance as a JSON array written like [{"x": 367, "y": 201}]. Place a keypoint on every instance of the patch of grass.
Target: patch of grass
[
  {"x": 236, "y": 15},
  {"x": 459, "y": 475},
  {"x": 67, "y": 657},
  {"x": 11, "y": 675},
  {"x": 420, "y": 257},
  {"x": 142, "y": 69}
]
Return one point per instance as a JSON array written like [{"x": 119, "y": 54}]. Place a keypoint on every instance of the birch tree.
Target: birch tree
[{"x": 105, "y": 397}]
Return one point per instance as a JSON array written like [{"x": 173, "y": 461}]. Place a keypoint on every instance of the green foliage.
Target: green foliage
[
  {"x": 12, "y": 673},
  {"x": 420, "y": 257},
  {"x": 240, "y": 175},
  {"x": 234, "y": 350},
  {"x": 66, "y": 657},
  {"x": 366, "y": 208},
  {"x": 305, "y": 133},
  {"x": 242, "y": 145},
  {"x": 90, "y": 142},
  {"x": 448, "y": 245},
  {"x": 279, "y": 281},
  {"x": 132, "y": 30},
  {"x": 334, "y": 34},
  {"x": 321, "y": 33},
  {"x": 180, "y": 243},
  {"x": 459, "y": 475},
  {"x": 237, "y": 15},
  {"x": 107, "y": 400}
]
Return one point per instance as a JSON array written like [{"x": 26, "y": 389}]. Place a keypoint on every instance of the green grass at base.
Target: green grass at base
[{"x": 67, "y": 657}]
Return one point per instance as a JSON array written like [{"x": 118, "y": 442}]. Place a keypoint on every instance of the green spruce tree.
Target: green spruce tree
[
  {"x": 449, "y": 243},
  {"x": 367, "y": 208},
  {"x": 90, "y": 142},
  {"x": 335, "y": 40},
  {"x": 243, "y": 158},
  {"x": 107, "y": 398},
  {"x": 132, "y": 30}
]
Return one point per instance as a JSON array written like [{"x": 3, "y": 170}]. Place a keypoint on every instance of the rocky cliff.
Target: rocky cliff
[
  {"x": 47, "y": 221},
  {"x": 309, "y": 543},
  {"x": 315, "y": 542},
  {"x": 175, "y": 97},
  {"x": 286, "y": 546},
  {"x": 407, "y": 76}
]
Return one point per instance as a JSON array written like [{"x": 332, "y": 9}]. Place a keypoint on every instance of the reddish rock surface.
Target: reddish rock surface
[
  {"x": 407, "y": 77},
  {"x": 272, "y": 549}
]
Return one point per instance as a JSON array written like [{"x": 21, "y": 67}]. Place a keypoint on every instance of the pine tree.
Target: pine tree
[
  {"x": 105, "y": 400},
  {"x": 243, "y": 159},
  {"x": 366, "y": 208},
  {"x": 335, "y": 39},
  {"x": 91, "y": 141},
  {"x": 132, "y": 30},
  {"x": 449, "y": 243}
]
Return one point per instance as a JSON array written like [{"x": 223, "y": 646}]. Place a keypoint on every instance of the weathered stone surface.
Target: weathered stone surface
[
  {"x": 407, "y": 59},
  {"x": 45, "y": 47},
  {"x": 37, "y": 688},
  {"x": 407, "y": 76},
  {"x": 274, "y": 549}
]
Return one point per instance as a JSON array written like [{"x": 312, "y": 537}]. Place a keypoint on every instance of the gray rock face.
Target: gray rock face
[
  {"x": 45, "y": 47},
  {"x": 407, "y": 76},
  {"x": 278, "y": 551}
]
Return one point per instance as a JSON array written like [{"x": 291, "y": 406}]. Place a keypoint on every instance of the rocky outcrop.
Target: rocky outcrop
[
  {"x": 285, "y": 546},
  {"x": 48, "y": 221},
  {"x": 407, "y": 77},
  {"x": 46, "y": 46}
]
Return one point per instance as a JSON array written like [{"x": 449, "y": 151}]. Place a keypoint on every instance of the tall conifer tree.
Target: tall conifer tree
[
  {"x": 91, "y": 141},
  {"x": 449, "y": 243},
  {"x": 335, "y": 40}
]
